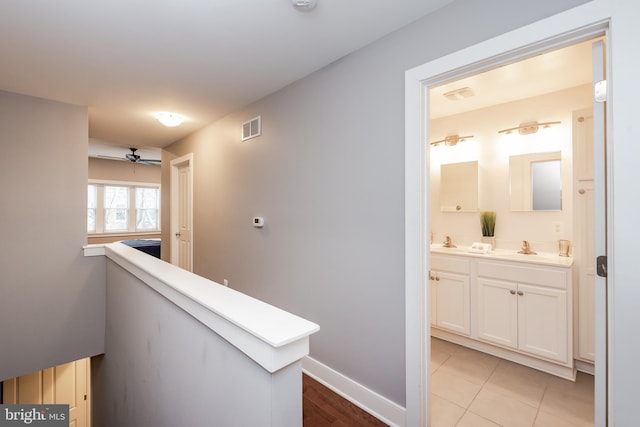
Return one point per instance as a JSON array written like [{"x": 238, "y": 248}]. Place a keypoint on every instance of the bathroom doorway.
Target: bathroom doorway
[
  {"x": 506, "y": 122},
  {"x": 431, "y": 79}
]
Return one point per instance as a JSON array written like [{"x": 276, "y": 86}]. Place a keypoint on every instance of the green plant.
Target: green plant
[{"x": 488, "y": 223}]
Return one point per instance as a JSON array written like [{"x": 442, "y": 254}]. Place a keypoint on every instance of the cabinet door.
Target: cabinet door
[
  {"x": 498, "y": 312},
  {"x": 452, "y": 302},
  {"x": 584, "y": 253},
  {"x": 584, "y": 249},
  {"x": 542, "y": 322}
]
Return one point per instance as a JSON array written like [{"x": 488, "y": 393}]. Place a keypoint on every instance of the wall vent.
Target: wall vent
[{"x": 252, "y": 128}]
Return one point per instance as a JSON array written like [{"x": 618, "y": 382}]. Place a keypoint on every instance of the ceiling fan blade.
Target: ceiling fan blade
[
  {"x": 112, "y": 158},
  {"x": 150, "y": 160}
]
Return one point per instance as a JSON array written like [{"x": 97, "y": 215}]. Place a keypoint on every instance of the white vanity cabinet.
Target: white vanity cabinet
[
  {"x": 513, "y": 306},
  {"x": 450, "y": 293},
  {"x": 525, "y": 307},
  {"x": 524, "y": 317}
]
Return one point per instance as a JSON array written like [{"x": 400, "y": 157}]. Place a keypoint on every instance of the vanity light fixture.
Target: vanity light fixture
[
  {"x": 451, "y": 140},
  {"x": 528, "y": 128},
  {"x": 169, "y": 119}
]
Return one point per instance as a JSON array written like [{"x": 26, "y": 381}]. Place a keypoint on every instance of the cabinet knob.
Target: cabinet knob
[
  {"x": 520, "y": 293},
  {"x": 437, "y": 279},
  {"x": 512, "y": 292},
  {"x": 581, "y": 191}
]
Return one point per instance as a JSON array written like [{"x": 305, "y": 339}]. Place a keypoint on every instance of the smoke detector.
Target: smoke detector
[{"x": 304, "y": 5}]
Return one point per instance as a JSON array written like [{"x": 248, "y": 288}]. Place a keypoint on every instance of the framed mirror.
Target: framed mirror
[
  {"x": 536, "y": 182},
  {"x": 459, "y": 187}
]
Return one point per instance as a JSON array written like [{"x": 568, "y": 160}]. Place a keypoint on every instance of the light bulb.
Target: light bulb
[{"x": 170, "y": 119}]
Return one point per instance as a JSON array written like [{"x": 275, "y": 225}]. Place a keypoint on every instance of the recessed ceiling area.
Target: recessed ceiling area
[{"x": 538, "y": 75}]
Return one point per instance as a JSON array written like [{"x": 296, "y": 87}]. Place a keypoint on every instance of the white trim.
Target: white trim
[
  {"x": 565, "y": 28},
  {"x": 94, "y": 250},
  {"x": 157, "y": 233},
  {"x": 271, "y": 337},
  {"x": 378, "y": 406},
  {"x": 124, "y": 183}
]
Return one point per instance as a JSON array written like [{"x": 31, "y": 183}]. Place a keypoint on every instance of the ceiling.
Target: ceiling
[
  {"x": 204, "y": 59},
  {"x": 538, "y": 75},
  {"x": 200, "y": 58}
]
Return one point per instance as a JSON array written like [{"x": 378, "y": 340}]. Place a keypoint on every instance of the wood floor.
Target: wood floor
[{"x": 322, "y": 407}]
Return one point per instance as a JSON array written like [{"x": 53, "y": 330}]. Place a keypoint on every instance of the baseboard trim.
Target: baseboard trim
[
  {"x": 379, "y": 406},
  {"x": 585, "y": 367}
]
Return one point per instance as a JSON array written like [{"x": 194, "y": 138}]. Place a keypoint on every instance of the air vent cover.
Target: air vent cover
[
  {"x": 458, "y": 94},
  {"x": 252, "y": 128}
]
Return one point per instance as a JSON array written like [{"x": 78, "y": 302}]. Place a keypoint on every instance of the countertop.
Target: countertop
[{"x": 543, "y": 258}]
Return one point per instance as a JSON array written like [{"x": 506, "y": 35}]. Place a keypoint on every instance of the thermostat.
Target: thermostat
[{"x": 258, "y": 221}]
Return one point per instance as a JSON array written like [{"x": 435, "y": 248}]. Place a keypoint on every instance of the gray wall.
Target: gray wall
[
  {"x": 51, "y": 297},
  {"x": 163, "y": 368},
  {"x": 117, "y": 170},
  {"x": 328, "y": 176}
]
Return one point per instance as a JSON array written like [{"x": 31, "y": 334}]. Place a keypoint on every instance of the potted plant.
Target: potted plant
[{"x": 488, "y": 225}]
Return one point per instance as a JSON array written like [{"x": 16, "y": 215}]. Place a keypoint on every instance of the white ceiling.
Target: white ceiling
[
  {"x": 550, "y": 72},
  {"x": 127, "y": 59},
  {"x": 206, "y": 58}
]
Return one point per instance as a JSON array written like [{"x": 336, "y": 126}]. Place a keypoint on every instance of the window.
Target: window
[
  {"x": 91, "y": 208},
  {"x": 147, "y": 208},
  {"x": 110, "y": 204}
]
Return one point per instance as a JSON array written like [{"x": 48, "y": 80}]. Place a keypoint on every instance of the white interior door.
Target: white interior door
[{"x": 182, "y": 212}]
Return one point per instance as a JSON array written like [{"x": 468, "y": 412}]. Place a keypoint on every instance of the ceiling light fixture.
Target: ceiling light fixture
[
  {"x": 451, "y": 140},
  {"x": 170, "y": 119},
  {"x": 304, "y": 5},
  {"x": 528, "y": 128}
]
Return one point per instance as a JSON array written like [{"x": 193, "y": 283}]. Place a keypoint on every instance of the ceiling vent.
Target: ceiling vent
[
  {"x": 458, "y": 94},
  {"x": 252, "y": 128}
]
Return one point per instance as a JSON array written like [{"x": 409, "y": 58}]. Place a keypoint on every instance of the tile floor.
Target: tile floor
[{"x": 474, "y": 389}]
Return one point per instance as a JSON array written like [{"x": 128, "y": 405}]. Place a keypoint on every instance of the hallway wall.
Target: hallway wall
[
  {"x": 327, "y": 175},
  {"x": 51, "y": 297}
]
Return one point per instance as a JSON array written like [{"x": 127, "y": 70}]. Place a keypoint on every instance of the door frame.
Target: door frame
[
  {"x": 579, "y": 24},
  {"x": 176, "y": 164}
]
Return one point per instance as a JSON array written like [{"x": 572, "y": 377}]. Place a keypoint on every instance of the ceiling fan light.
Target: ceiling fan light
[{"x": 170, "y": 119}]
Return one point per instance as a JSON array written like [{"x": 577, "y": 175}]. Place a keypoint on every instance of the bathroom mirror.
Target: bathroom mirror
[
  {"x": 536, "y": 182},
  {"x": 459, "y": 187}
]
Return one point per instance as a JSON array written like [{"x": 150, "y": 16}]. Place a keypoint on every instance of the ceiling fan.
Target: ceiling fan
[{"x": 134, "y": 158}]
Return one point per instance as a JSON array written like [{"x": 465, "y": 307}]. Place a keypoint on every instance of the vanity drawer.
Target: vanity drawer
[
  {"x": 523, "y": 274},
  {"x": 452, "y": 264}
]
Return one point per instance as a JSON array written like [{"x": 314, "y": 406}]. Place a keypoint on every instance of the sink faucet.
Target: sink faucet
[
  {"x": 526, "y": 249},
  {"x": 447, "y": 243}
]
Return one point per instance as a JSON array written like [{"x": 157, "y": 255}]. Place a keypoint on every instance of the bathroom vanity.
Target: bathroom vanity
[{"x": 514, "y": 306}]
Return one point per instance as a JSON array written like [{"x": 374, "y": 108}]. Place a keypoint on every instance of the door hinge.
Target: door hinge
[{"x": 601, "y": 265}]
